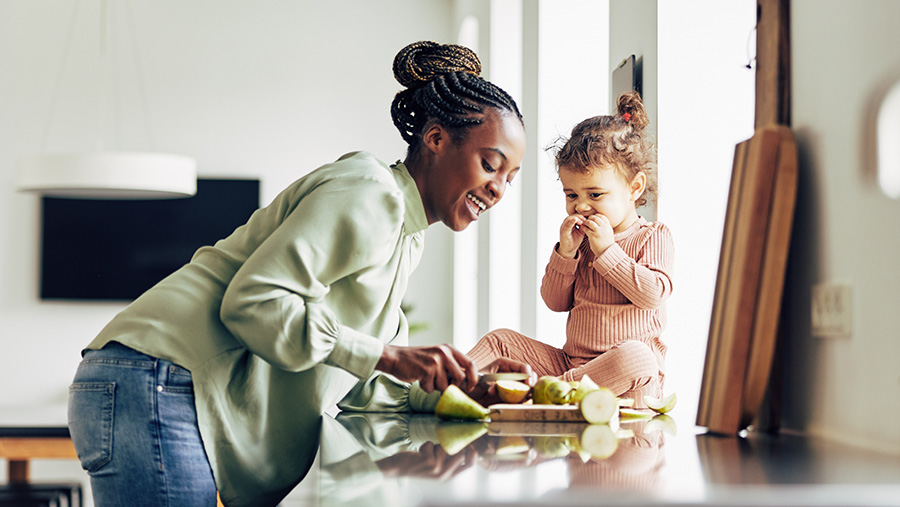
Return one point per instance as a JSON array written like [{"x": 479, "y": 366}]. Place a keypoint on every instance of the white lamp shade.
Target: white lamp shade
[{"x": 109, "y": 175}]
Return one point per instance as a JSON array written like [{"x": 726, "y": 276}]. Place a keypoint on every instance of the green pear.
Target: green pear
[
  {"x": 558, "y": 392},
  {"x": 539, "y": 391},
  {"x": 455, "y": 436},
  {"x": 455, "y": 404}
]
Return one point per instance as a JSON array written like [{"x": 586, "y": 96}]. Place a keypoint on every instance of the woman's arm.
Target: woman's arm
[{"x": 276, "y": 303}]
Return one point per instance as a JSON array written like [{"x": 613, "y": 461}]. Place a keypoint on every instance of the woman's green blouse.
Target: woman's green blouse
[{"x": 286, "y": 318}]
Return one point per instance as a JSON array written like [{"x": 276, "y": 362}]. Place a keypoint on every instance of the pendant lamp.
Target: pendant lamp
[{"x": 100, "y": 173}]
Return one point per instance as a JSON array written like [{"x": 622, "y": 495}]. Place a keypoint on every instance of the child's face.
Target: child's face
[{"x": 602, "y": 190}]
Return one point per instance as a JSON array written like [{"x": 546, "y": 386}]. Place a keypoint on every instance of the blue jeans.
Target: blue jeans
[{"x": 134, "y": 426}]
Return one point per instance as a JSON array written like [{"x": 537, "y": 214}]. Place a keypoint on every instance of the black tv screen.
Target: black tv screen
[{"x": 116, "y": 250}]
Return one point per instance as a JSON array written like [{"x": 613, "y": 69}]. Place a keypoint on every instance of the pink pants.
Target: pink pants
[{"x": 629, "y": 369}]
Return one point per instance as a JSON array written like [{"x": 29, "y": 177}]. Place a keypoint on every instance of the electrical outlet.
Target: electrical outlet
[{"x": 831, "y": 315}]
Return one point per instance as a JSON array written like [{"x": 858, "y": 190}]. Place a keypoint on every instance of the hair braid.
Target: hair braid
[{"x": 442, "y": 84}]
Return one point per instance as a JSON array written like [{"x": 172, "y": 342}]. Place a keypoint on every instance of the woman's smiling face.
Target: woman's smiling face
[{"x": 469, "y": 176}]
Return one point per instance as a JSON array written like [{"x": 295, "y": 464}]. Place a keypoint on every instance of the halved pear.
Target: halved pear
[
  {"x": 455, "y": 404},
  {"x": 599, "y": 441},
  {"x": 454, "y": 436},
  {"x": 598, "y": 406},
  {"x": 512, "y": 391},
  {"x": 661, "y": 405},
  {"x": 585, "y": 386}
]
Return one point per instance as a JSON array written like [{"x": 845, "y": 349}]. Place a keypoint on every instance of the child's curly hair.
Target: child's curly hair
[{"x": 618, "y": 141}]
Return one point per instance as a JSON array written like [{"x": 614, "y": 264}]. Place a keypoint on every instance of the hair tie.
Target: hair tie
[{"x": 626, "y": 116}]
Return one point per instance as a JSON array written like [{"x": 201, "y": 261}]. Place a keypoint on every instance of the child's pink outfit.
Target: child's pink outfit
[{"x": 616, "y": 305}]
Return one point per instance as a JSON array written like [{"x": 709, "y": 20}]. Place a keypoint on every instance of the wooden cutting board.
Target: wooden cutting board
[{"x": 534, "y": 412}]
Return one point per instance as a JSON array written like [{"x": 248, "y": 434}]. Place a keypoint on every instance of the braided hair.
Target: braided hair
[
  {"x": 443, "y": 85},
  {"x": 619, "y": 140}
]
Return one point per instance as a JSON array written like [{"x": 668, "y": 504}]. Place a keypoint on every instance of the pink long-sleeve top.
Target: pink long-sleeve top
[{"x": 615, "y": 297}]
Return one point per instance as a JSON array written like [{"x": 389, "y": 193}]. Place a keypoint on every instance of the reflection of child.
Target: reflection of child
[{"x": 611, "y": 269}]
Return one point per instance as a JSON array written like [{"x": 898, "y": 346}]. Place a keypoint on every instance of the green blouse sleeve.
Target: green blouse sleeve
[{"x": 275, "y": 304}]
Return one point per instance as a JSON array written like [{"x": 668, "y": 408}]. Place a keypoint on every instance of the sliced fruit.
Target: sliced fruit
[
  {"x": 513, "y": 444},
  {"x": 663, "y": 423},
  {"x": 585, "y": 386},
  {"x": 625, "y": 402},
  {"x": 598, "y": 406},
  {"x": 511, "y": 391},
  {"x": 599, "y": 441},
  {"x": 454, "y": 436},
  {"x": 457, "y": 405},
  {"x": 630, "y": 414},
  {"x": 661, "y": 405}
]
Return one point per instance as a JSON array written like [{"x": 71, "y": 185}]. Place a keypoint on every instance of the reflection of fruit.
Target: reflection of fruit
[
  {"x": 549, "y": 446},
  {"x": 599, "y": 441},
  {"x": 455, "y": 404},
  {"x": 661, "y": 422},
  {"x": 539, "y": 391},
  {"x": 585, "y": 386},
  {"x": 558, "y": 392},
  {"x": 661, "y": 405},
  {"x": 628, "y": 414},
  {"x": 512, "y": 445},
  {"x": 454, "y": 436},
  {"x": 511, "y": 391},
  {"x": 598, "y": 406}
]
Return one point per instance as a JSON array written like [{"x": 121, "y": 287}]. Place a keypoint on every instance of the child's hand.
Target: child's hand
[
  {"x": 570, "y": 236},
  {"x": 599, "y": 232}
]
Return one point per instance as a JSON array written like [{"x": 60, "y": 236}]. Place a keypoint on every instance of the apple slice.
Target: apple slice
[
  {"x": 598, "y": 406},
  {"x": 661, "y": 405},
  {"x": 625, "y": 402},
  {"x": 599, "y": 441}
]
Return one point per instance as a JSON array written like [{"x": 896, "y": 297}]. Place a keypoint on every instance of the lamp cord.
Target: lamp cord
[{"x": 57, "y": 86}]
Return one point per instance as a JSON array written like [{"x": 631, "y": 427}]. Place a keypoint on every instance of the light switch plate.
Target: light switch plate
[{"x": 831, "y": 310}]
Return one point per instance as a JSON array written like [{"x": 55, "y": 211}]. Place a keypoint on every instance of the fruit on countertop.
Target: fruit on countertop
[
  {"x": 584, "y": 386},
  {"x": 454, "y": 436},
  {"x": 457, "y": 405},
  {"x": 661, "y": 405}
]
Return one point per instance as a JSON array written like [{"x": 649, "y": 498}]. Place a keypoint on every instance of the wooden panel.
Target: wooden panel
[
  {"x": 743, "y": 325},
  {"x": 14, "y": 448},
  {"x": 774, "y": 263}
]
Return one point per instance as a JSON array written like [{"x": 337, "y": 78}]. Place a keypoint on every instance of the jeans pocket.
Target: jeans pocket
[{"x": 91, "y": 410}]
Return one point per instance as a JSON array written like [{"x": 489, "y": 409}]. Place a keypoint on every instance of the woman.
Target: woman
[{"x": 216, "y": 378}]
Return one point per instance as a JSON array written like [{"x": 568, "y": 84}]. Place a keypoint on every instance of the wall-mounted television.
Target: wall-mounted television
[{"x": 117, "y": 249}]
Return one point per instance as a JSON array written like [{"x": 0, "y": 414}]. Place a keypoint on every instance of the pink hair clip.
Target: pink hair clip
[{"x": 626, "y": 116}]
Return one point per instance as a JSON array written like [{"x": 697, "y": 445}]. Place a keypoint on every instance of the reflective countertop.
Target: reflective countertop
[{"x": 411, "y": 460}]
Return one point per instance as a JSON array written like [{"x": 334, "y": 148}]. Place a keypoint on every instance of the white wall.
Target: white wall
[
  {"x": 845, "y": 229},
  {"x": 268, "y": 89}
]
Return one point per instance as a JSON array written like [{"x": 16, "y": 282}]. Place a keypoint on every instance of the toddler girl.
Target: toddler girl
[{"x": 611, "y": 270}]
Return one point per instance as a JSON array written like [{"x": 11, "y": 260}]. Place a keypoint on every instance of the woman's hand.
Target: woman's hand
[
  {"x": 571, "y": 233},
  {"x": 599, "y": 232},
  {"x": 434, "y": 367},
  {"x": 431, "y": 461},
  {"x": 486, "y": 392}
]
